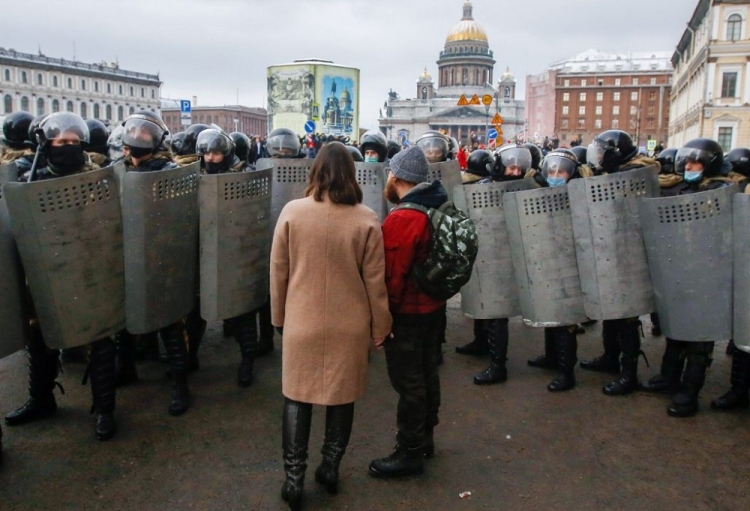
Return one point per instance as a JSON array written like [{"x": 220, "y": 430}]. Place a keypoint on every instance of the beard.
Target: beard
[{"x": 390, "y": 193}]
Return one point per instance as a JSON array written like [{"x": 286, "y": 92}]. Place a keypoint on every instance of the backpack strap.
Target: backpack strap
[{"x": 413, "y": 206}]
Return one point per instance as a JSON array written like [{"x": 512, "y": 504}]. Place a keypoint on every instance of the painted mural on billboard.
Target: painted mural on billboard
[
  {"x": 291, "y": 93},
  {"x": 337, "y": 101}
]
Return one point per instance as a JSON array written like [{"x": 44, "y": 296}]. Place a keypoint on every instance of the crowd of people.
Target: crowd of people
[{"x": 330, "y": 253}]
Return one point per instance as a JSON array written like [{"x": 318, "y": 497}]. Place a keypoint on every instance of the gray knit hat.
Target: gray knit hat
[{"x": 410, "y": 165}]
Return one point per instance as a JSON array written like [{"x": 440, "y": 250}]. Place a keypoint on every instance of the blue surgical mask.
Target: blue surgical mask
[
  {"x": 371, "y": 159},
  {"x": 693, "y": 176},
  {"x": 556, "y": 181}
]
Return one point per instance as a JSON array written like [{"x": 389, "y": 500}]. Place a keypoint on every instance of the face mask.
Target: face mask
[
  {"x": 66, "y": 159},
  {"x": 371, "y": 159},
  {"x": 556, "y": 181},
  {"x": 693, "y": 176},
  {"x": 140, "y": 152},
  {"x": 213, "y": 167}
]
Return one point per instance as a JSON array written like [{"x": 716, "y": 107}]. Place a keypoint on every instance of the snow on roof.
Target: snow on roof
[{"x": 595, "y": 61}]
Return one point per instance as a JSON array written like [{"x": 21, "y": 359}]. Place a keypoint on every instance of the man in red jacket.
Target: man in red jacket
[{"x": 411, "y": 351}]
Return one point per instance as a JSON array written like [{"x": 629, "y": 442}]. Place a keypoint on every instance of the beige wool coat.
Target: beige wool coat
[{"x": 328, "y": 292}]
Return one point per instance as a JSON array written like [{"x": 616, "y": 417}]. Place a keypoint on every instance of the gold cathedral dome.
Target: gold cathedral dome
[{"x": 467, "y": 29}]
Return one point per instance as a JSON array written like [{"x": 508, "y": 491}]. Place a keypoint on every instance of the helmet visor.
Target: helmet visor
[
  {"x": 435, "y": 148},
  {"x": 516, "y": 157},
  {"x": 65, "y": 125},
  {"x": 142, "y": 133},
  {"x": 595, "y": 155},
  {"x": 557, "y": 166},
  {"x": 213, "y": 141},
  {"x": 283, "y": 146},
  {"x": 693, "y": 155}
]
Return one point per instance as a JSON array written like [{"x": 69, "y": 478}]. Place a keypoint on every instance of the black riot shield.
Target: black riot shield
[
  {"x": 13, "y": 318},
  {"x": 689, "y": 246},
  {"x": 540, "y": 231},
  {"x": 491, "y": 292},
  {"x": 235, "y": 242},
  {"x": 160, "y": 218},
  {"x": 609, "y": 243},
  {"x": 370, "y": 179},
  {"x": 69, "y": 234},
  {"x": 741, "y": 273},
  {"x": 448, "y": 173},
  {"x": 290, "y": 178}
]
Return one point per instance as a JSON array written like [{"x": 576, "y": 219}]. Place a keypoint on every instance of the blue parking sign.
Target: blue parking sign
[{"x": 185, "y": 106}]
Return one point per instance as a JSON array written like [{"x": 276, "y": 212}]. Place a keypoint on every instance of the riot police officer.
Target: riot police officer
[
  {"x": 241, "y": 145},
  {"x": 393, "y": 148},
  {"x": 283, "y": 143},
  {"x": 97, "y": 148},
  {"x": 435, "y": 145},
  {"x": 373, "y": 146},
  {"x": 186, "y": 151},
  {"x": 614, "y": 151},
  {"x": 18, "y": 147},
  {"x": 114, "y": 144},
  {"x": 62, "y": 137}
]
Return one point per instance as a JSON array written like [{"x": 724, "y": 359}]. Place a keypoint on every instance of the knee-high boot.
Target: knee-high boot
[
  {"x": 549, "y": 359},
  {"x": 246, "y": 334},
  {"x": 265, "y": 343},
  {"x": 685, "y": 402},
  {"x": 672, "y": 363},
  {"x": 478, "y": 346},
  {"x": 44, "y": 367},
  {"x": 103, "y": 382},
  {"x": 630, "y": 342},
  {"x": 566, "y": 346},
  {"x": 295, "y": 432},
  {"x": 497, "y": 340},
  {"x": 125, "y": 358},
  {"x": 338, "y": 430},
  {"x": 608, "y": 362},
  {"x": 737, "y": 397},
  {"x": 173, "y": 337}
]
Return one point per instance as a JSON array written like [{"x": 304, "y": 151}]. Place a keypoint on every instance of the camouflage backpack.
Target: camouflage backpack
[{"x": 453, "y": 249}]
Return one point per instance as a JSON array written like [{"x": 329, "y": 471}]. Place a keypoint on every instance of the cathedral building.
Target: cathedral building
[{"x": 465, "y": 70}]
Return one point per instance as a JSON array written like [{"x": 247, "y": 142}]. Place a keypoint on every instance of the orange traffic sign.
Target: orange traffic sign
[
  {"x": 497, "y": 119},
  {"x": 462, "y": 101},
  {"x": 486, "y": 100},
  {"x": 499, "y": 129},
  {"x": 474, "y": 100},
  {"x": 499, "y": 141}
]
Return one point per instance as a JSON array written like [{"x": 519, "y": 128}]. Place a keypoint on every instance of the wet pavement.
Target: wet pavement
[{"x": 514, "y": 446}]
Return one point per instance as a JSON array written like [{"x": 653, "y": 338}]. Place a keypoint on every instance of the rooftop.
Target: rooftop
[{"x": 601, "y": 62}]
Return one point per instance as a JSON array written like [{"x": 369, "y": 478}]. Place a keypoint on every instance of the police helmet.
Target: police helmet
[
  {"x": 191, "y": 137},
  {"x": 609, "y": 150},
  {"x": 241, "y": 145},
  {"x": 374, "y": 140},
  {"x": 479, "y": 163},
  {"x": 739, "y": 158},
  {"x": 356, "y": 154},
  {"x": 560, "y": 163},
  {"x": 511, "y": 156},
  {"x": 114, "y": 143},
  {"x": 32, "y": 129},
  {"x": 98, "y": 136},
  {"x": 580, "y": 152},
  {"x": 62, "y": 124},
  {"x": 176, "y": 141},
  {"x": 215, "y": 141},
  {"x": 666, "y": 159},
  {"x": 536, "y": 155},
  {"x": 144, "y": 133},
  {"x": 283, "y": 143},
  {"x": 393, "y": 148},
  {"x": 435, "y": 145},
  {"x": 705, "y": 151},
  {"x": 16, "y": 130}
]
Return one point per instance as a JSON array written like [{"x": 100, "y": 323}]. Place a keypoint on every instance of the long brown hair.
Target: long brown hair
[{"x": 333, "y": 172}]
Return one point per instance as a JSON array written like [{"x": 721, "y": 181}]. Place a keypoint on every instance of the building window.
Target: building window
[
  {"x": 119, "y": 112},
  {"x": 131, "y": 111},
  {"x": 581, "y": 123},
  {"x": 25, "y": 104},
  {"x": 615, "y": 123},
  {"x": 650, "y": 124},
  {"x": 96, "y": 86},
  {"x": 564, "y": 124},
  {"x": 615, "y": 110},
  {"x": 566, "y": 96},
  {"x": 582, "y": 96},
  {"x": 734, "y": 27},
  {"x": 581, "y": 110},
  {"x": 652, "y": 96},
  {"x": 153, "y": 94},
  {"x": 616, "y": 96},
  {"x": 7, "y": 75},
  {"x": 109, "y": 88},
  {"x": 40, "y": 106},
  {"x": 108, "y": 112},
  {"x": 83, "y": 84},
  {"x": 565, "y": 110},
  {"x": 119, "y": 89},
  {"x": 39, "y": 79},
  {"x": 600, "y": 96},
  {"x": 729, "y": 85},
  {"x": 69, "y": 106},
  {"x": 55, "y": 106},
  {"x": 617, "y": 81},
  {"x": 143, "y": 92},
  {"x": 598, "y": 124},
  {"x": 634, "y": 96},
  {"x": 635, "y": 81},
  {"x": 84, "y": 110},
  {"x": 96, "y": 110},
  {"x": 132, "y": 91},
  {"x": 24, "y": 77},
  {"x": 8, "y": 103},
  {"x": 583, "y": 82},
  {"x": 651, "y": 110},
  {"x": 600, "y": 83},
  {"x": 633, "y": 110},
  {"x": 54, "y": 81},
  {"x": 598, "y": 110},
  {"x": 70, "y": 83},
  {"x": 725, "y": 139},
  {"x": 566, "y": 83},
  {"x": 653, "y": 81}
]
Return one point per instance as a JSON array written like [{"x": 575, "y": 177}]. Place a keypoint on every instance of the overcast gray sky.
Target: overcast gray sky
[{"x": 212, "y": 48}]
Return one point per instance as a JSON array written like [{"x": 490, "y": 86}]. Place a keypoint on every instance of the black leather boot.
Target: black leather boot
[
  {"x": 125, "y": 359},
  {"x": 655, "y": 324},
  {"x": 265, "y": 343},
  {"x": 609, "y": 361},
  {"x": 672, "y": 364},
  {"x": 403, "y": 461},
  {"x": 630, "y": 342},
  {"x": 479, "y": 346},
  {"x": 338, "y": 430},
  {"x": 566, "y": 346},
  {"x": 295, "y": 433},
  {"x": 174, "y": 339},
  {"x": 246, "y": 334},
  {"x": 497, "y": 340},
  {"x": 103, "y": 383},
  {"x": 549, "y": 359},
  {"x": 44, "y": 366},
  {"x": 195, "y": 327},
  {"x": 685, "y": 402},
  {"x": 737, "y": 397}
]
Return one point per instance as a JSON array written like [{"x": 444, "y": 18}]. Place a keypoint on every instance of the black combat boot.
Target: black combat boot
[
  {"x": 173, "y": 337},
  {"x": 655, "y": 324},
  {"x": 630, "y": 342},
  {"x": 497, "y": 339},
  {"x": 737, "y": 397},
  {"x": 246, "y": 334},
  {"x": 685, "y": 402},
  {"x": 566, "y": 346},
  {"x": 338, "y": 429},
  {"x": 195, "y": 327},
  {"x": 549, "y": 359},
  {"x": 125, "y": 358},
  {"x": 479, "y": 346},
  {"x": 103, "y": 382},
  {"x": 403, "y": 461},
  {"x": 295, "y": 433},
  {"x": 608, "y": 362},
  {"x": 44, "y": 366},
  {"x": 265, "y": 343},
  {"x": 672, "y": 364}
]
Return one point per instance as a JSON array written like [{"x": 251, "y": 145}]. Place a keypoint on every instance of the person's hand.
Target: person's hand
[{"x": 380, "y": 341}]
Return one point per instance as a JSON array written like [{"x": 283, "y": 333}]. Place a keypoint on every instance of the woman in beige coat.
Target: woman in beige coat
[{"x": 328, "y": 295}]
